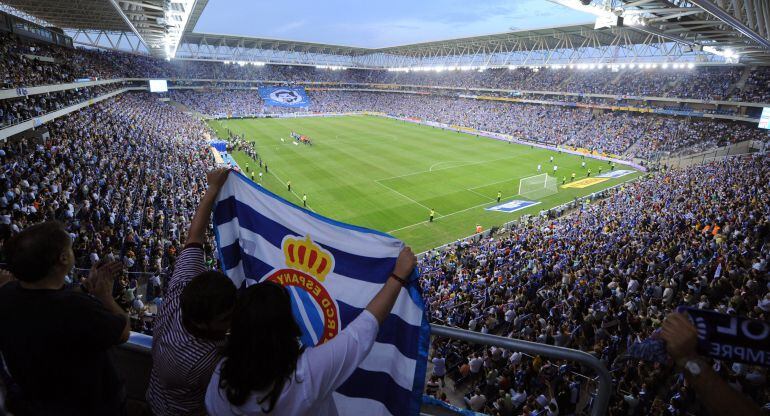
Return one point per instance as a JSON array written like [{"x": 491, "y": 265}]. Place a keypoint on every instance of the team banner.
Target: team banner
[
  {"x": 512, "y": 206},
  {"x": 284, "y": 96},
  {"x": 332, "y": 271},
  {"x": 730, "y": 337},
  {"x": 584, "y": 183},
  {"x": 615, "y": 173}
]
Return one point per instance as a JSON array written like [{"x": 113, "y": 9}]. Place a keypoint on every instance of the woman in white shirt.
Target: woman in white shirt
[{"x": 265, "y": 370}]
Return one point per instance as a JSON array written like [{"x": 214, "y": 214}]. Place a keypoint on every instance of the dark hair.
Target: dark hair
[
  {"x": 34, "y": 252},
  {"x": 263, "y": 347},
  {"x": 209, "y": 297}
]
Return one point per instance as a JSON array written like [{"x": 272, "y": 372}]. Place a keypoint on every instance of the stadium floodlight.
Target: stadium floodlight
[
  {"x": 538, "y": 186},
  {"x": 622, "y": 66},
  {"x": 665, "y": 65},
  {"x": 632, "y": 66},
  {"x": 655, "y": 65},
  {"x": 690, "y": 65}
]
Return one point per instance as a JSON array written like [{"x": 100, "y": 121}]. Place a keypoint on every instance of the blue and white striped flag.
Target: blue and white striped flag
[{"x": 332, "y": 270}]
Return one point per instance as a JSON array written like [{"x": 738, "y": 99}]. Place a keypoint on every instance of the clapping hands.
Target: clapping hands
[{"x": 101, "y": 279}]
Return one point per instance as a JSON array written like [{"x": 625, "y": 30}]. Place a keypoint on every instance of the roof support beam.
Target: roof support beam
[
  {"x": 115, "y": 4},
  {"x": 722, "y": 15}
]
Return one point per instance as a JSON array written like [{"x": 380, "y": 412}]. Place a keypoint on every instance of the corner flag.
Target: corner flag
[{"x": 332, "y": 270}]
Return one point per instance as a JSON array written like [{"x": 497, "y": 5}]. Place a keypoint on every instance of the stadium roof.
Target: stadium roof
[
  {"x": 535, "y": 47},
  {"x": 733, "y": 28},
  {"x": 536, "y": 38},
  {"x": 694, "y": 30},
  {"x": 158, "y": 23},
  {"x": 546, "y": 38}
]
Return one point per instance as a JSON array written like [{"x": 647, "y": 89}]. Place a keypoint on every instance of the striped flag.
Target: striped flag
[{"x": 332, "y": 271}]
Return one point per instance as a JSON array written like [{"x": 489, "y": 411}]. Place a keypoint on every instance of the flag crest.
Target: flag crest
[{"x": 331, "y": 271}]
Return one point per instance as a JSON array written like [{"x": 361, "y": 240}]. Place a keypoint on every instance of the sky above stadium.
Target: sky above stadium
[{"x": 376, "y": 24}]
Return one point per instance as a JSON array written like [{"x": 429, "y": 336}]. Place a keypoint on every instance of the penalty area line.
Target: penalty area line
[
  {"x": 399, "y": 193},
  {"x": 439, "y": 217},
  {"x": 480, "y": 194}
]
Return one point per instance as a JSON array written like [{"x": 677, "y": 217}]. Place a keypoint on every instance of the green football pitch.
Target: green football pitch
[{"x": 387, "y": 174}]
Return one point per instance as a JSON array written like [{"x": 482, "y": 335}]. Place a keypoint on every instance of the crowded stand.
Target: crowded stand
[
  {"x": 755, "y": 88},
  {"x": 27, "y": 64},
  {"x": 613, "y": 132},
  {"x": 219, "y": 103},
  {"x": 602, "y": 279},
  {"x": 110, "y": 173},
  {"x": 21, "y": 109},
  {"x": 126, "y": 181}
]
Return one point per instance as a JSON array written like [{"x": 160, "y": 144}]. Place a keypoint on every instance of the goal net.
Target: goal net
[{"x": 538, "y": 186}]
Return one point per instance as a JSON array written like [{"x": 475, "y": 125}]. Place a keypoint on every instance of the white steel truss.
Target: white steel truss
[
  {"x": 159, "y": 24},
  {"x": 736, "y": 29},
  {"x": 556, "y": 46},
  {"x": 102, "y": 39}
]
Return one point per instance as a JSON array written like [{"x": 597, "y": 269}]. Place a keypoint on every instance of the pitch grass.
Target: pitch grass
[{"x": 386, "y": 174}]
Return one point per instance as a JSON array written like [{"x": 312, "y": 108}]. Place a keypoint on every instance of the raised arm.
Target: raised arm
[
  {"x": 333, "y": 362},
  {"x": 200, "y": 222},
  {"x": 384, "y": 300},
  {"x": 714, "y": 392}
]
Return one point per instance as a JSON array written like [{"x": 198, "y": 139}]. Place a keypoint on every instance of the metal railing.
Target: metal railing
[
  {"x": 142, "y": 344},
  {"x": 604, "y": 378}
]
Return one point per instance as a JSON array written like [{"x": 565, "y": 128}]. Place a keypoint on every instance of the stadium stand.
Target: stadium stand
[
  {"x": 652, "y": 247},
  {"x": 22, "y": 66},
  {"x": 108, "y": 172},
  {"x": 125, "y": 176},
  {"x": 610, "y": 131}
]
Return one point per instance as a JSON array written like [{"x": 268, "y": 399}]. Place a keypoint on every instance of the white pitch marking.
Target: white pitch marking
[
  {"x": 480, "y": 194},
  {"x": 518, "y": 156},
  {"x": 393, "y": 190},
  {"x": 439, "y": 217},
  {"x": 441, "y": 163}
]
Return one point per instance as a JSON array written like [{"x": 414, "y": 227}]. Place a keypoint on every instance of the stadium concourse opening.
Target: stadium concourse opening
[{"x": 567, "y": 220}]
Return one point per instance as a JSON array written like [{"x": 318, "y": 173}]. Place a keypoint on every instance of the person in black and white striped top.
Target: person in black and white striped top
[{"x": 192, "y": 322}]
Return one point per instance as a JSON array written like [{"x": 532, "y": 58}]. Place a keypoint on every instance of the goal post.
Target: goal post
[{"x": 538, "y": 186}]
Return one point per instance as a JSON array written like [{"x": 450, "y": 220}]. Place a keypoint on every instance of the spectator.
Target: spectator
[
  {"x": 55, "y": 339},
  {"x": 190, "y": 330},
  {"x": 265, "y": 369}
]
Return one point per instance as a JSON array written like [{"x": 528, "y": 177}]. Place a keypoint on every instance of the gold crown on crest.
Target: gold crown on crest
[{"x": 305, "y": 255}]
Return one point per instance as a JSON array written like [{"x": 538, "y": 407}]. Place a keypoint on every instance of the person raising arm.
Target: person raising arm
[
  {"x": 192, "y": 322},
  {"x": 265, "y": 370},
  {"x": 714, "y": 392}
]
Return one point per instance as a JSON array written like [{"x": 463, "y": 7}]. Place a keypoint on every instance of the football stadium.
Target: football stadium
[{"x": 508, "y": 207}]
